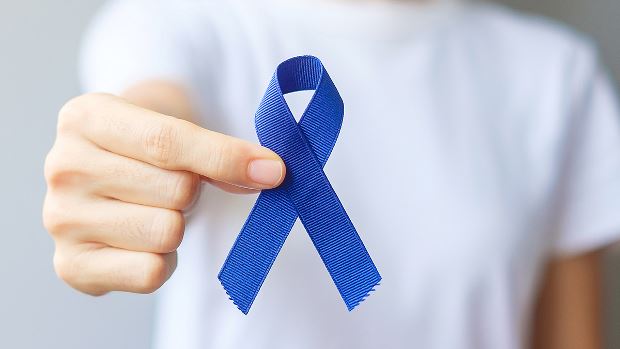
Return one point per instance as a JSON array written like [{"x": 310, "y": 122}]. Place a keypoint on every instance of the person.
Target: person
[{"x": 478, "y": 160}]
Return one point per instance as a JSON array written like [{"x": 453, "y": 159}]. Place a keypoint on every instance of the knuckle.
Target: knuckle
[
  {"x": 69, "y": 269},
  {"x": 64, "y": 267},
  {"x": 55, "y": 218},
  {"x": 184, "y": 190},
  {"x": 155, "y": 273},
  {"x": 168, "y": 231},
  {"x": 220, "y": 157},
  {"x": 51, "y": 220},
  {"x": 161, "y": 143},
  {"x": 70, "y": 114},
  {"x": 74, "y": 112},
  {"x": 58, "y": 169},
  {"x": 51, "y": 167}
]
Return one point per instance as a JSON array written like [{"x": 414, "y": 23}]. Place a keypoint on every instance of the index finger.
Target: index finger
[{"x": 167, "y": 142}]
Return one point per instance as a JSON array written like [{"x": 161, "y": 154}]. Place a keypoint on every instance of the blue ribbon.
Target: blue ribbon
[{"x": 305, "y": 192}]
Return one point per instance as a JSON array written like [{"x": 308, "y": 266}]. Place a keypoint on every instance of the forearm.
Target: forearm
[
  {"x": 162, "y": 96},
  {"x": 568, "y": 312}
]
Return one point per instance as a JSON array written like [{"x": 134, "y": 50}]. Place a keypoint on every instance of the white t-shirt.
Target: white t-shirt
[{"x": 477, "y": 143}]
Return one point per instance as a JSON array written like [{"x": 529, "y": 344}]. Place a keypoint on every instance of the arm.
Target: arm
[{"x": 568, "y": 311}]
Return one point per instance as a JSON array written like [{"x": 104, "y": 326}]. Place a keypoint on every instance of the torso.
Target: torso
[{"x": 440, "y": 164}]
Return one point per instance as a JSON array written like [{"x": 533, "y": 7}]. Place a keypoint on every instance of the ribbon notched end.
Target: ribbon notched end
[
  {"x": 241, "y": 303},
  {"x": 353, "y": 304}
]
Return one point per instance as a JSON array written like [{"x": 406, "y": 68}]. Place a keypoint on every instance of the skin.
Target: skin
[
  {"x": 119, "y": 175},
  {"x": 568, "y": 310},
  {"x": 121, "y": 171}
]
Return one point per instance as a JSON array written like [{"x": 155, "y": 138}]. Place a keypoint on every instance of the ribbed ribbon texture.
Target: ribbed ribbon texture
[{"x": 305, "y": 193}]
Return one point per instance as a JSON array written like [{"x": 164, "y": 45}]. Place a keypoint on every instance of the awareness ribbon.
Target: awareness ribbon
[{"x": 305, "y": 192}]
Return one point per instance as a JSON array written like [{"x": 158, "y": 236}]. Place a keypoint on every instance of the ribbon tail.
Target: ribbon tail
[
  {"x": 257, "y": 247},
  {"x": 339, "y": 245}
]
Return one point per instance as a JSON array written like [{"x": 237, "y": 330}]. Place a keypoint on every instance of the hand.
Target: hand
[{"x": 118, "y": 179}]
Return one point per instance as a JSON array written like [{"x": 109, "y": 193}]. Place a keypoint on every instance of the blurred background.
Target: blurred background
[{"x": 38, "y": 45}]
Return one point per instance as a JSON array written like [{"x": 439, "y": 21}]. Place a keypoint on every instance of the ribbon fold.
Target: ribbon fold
[{"x": 305, "y": 192}]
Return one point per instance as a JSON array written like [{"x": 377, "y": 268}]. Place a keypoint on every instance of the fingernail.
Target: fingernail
[{"x": 265, "y": 172}]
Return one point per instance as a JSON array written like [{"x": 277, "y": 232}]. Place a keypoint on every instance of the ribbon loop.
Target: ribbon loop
[{"x": 305, "y": 193}]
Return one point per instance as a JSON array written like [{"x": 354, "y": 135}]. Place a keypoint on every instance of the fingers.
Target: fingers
[
  {"x": 151, "y": 186},
  {"x": 96, "y": 270},
  {"x": 170, "y": 143},
  {"x": 119, "y": 224},
  {"x": 104, "y": 174},
  {"x": 118, "y": 178}
]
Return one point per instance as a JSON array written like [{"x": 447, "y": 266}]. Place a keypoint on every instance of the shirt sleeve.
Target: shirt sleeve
[
  {"x": 589, "y": 214},
  {"x": 129, "y": 41}
]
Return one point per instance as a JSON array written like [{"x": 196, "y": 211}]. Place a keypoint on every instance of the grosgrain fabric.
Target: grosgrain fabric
[{"x": 305, "y": 192}]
